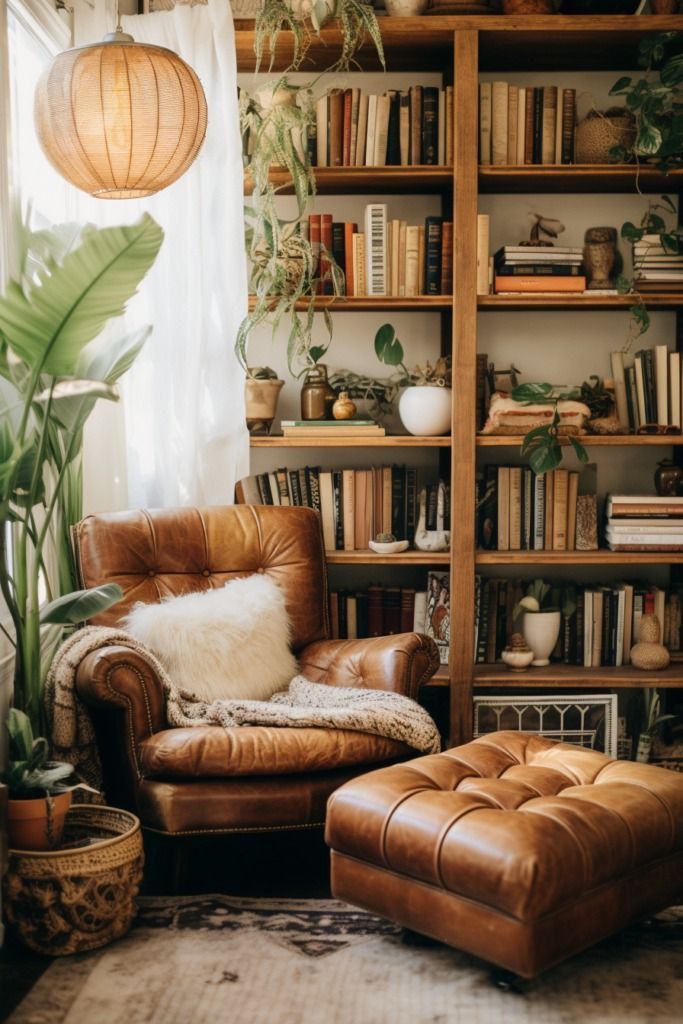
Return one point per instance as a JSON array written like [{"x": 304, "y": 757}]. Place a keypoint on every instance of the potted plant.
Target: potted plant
[
  {"x": 39, "y": 790},
  {"x": 54, "y": 369},
  {"x": 541, "y": 622},
  {"x": 655, "y": 101},
  {"x": 261, "y": 392},
  {"x": 425, "y": 403}
]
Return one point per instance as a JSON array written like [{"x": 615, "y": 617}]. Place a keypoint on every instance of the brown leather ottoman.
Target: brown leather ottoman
[{"x": 514, "y": 848}]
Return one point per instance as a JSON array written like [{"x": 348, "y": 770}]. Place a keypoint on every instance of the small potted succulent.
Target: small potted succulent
[
  {"x": 425, "y": 403},
  {"x": 541, "y": 622},
  {"x": 261, "y": 392},
  {"x": 39, "y": 790}
]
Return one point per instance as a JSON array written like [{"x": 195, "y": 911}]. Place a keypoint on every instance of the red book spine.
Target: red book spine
[
  {"x": 375, "y": 612},
  {"x": 407, "y": 609},
  {"x": 325, "y": 248}
]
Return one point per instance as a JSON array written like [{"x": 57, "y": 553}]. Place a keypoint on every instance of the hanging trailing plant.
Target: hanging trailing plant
[
  {"x": 286, "y": 270},
  {"x": 656, "y": 102}
]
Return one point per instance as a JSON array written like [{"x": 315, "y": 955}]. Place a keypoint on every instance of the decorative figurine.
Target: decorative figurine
[
  {"x": 649, "y": 654},
  {"x": 317, "y": 397},
  {"x": 602, "y": 258},
  {"x": 518, "y": 655},
  {"x": 344, "y": 408},
  {"x": 543, "y": 225}
]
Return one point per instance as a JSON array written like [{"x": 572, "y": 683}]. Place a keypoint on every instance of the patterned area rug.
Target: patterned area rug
[{"x": 215, "y": 959}]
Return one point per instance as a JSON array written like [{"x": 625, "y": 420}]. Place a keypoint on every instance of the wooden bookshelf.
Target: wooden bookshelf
[
  {"x": 354, "y": 180},
  {"x": 377, "y": 303},
  {"x": 577, "y": 178},
  {"x": 575, "y": 677},
  {"x": 589, "y": 440},
  {"x": 372, "y": 558},
  {"x": 558, "y": 558},
  {"x": 461, "y": 48},
  {"x": 390, "y": 441},
  {"x": 580, "y": 302}
]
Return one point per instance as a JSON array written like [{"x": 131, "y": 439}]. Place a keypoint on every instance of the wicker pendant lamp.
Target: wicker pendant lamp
[{"x": 120, "y": 119}]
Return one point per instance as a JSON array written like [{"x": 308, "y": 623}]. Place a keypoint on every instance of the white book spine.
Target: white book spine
[
  {"x": 662, "y": 382},
  {"x": 499, "y": 123},
  {"x": 375, "y": 248},
  {"x": 619, "y": 374},
  {"x": 441, "y": 150}
]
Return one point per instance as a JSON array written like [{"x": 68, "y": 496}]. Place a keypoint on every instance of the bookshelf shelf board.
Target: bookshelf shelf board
[
  {"x": 378, "y": 303},
  {"x": 589, "y": 440},
  {"x": 509, "y": 43},
  {"x": 399, "y": 441},
  {"x": 583, "y": 301},
  {"x": 577, "y": 178},
  {"x": 370, "y": 558},
  {"x": 575, "y": 676},
  {"x": 348, "y": 180},
  {"x": 579, "y": 557}
]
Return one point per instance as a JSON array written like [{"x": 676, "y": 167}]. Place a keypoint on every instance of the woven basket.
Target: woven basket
[
  {"x": 598, "y": 133},
  {"x": 81, "y": 896}
]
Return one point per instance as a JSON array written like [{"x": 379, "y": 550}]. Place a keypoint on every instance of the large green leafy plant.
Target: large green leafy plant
[
  {"x": 276, "y": 123},
  {"x": 54, "y": 366}
]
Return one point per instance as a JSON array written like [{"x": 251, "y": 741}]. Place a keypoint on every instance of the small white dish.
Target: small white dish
[{"x": 391, "y": 548}]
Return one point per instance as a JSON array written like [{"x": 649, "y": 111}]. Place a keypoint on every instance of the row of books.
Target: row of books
[
  {"x": 644, "y": 523},
  {"x": 655, "y": 266},
  {"x": 356, "y": 129},
  {"x": 532, "y": 125},
  {"x": 520, "y": 511},
  {"x": 388, "y": 257},
  {"x": 382, "y": 611},
  {"x": 648, "y": 388},
  {"x": 539, "y": 268},
  {"x": 599, "y": 623},
  {"x": 354, "y": 504}
]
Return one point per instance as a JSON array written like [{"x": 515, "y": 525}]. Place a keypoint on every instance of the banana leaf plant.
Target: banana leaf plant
[{"x": 54, "y": 366}]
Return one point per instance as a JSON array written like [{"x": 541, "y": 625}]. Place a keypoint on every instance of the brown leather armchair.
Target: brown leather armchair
[{"x": 208, "y": 779}]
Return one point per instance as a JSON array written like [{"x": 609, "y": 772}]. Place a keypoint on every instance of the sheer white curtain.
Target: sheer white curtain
[{"x": 185, "y": 435}]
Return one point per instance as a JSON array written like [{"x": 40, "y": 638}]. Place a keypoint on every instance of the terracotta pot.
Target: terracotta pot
[
  {"x": 37, "y": 824},
  {"x": 260, "y": 401}
]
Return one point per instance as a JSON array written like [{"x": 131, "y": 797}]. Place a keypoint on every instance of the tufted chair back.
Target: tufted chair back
[{"x": 157, "y": 553}]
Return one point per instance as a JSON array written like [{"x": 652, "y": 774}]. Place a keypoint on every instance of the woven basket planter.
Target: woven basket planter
[
  {"x": 598, "y": 133},
  {"x": 81, "y": 896}
]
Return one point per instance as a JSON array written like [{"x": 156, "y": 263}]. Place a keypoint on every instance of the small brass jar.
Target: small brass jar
[{"x": 317, "y": 397}]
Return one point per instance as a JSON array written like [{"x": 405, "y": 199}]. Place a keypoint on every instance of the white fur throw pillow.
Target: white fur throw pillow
[{"x": 231, "y": 643}]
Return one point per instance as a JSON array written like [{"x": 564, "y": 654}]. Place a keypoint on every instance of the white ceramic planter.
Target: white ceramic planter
[
  {"x": 541, "y": 630},
  {"x": 426, "y": 411}
]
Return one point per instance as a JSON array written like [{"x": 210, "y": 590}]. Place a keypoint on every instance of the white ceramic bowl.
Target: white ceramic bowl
[{"x": 391, "y": 548}]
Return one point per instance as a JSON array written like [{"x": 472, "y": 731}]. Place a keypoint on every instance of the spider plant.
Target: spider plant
[
  {"x": 276, "y": 123},
  {"x": 53, "y": 369}
]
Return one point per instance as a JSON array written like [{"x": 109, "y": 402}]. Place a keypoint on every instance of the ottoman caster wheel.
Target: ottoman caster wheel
[
  {"x": 509, "y": 982},
  {"x": 411, "y": 938}
]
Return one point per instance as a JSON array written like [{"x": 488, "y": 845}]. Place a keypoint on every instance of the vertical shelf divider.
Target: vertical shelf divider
[{"x": 465, "y": 205}]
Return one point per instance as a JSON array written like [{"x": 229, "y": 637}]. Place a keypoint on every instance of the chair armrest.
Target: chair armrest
[
  {"x": 127, "y": 704},
  {"x": 403, "y": 662}
]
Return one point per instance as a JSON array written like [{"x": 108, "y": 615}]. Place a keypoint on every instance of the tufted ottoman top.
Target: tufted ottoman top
[{"x": 511, "y": 820}]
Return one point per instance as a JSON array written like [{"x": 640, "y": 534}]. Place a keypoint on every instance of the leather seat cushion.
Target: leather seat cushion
[
  {"x": 214, "y": 752},
  {"x": 511, "y": 821}
]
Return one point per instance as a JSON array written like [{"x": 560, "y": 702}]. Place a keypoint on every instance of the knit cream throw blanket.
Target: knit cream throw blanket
[{"x": 302, "y": 705}]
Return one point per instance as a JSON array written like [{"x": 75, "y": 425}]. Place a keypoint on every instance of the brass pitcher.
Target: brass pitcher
[{"x": 317, "y": 397}]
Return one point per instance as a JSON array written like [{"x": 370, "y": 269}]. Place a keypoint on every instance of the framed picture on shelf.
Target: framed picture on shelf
[
  {"x": 438, "y": 614},
  {"x": 589, "y": 720}
]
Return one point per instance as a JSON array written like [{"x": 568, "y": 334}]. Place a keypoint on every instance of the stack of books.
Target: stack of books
[
  {"x": 519, "y": 511},
  {"x": 539, "y": 268},
  {"x": 647, "y": 388},
  {"x": 533, "y": 125},
  {"x": 655, "y": 269},
  {"x": 354, "y": 129},
  {"x": 354, "y": 504},
  {"x": 386, "y": 257},
  {"x": 332, "y": 428},
  {"x": 599, "y": 623},
  {"x": 644, "y": 523}
]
